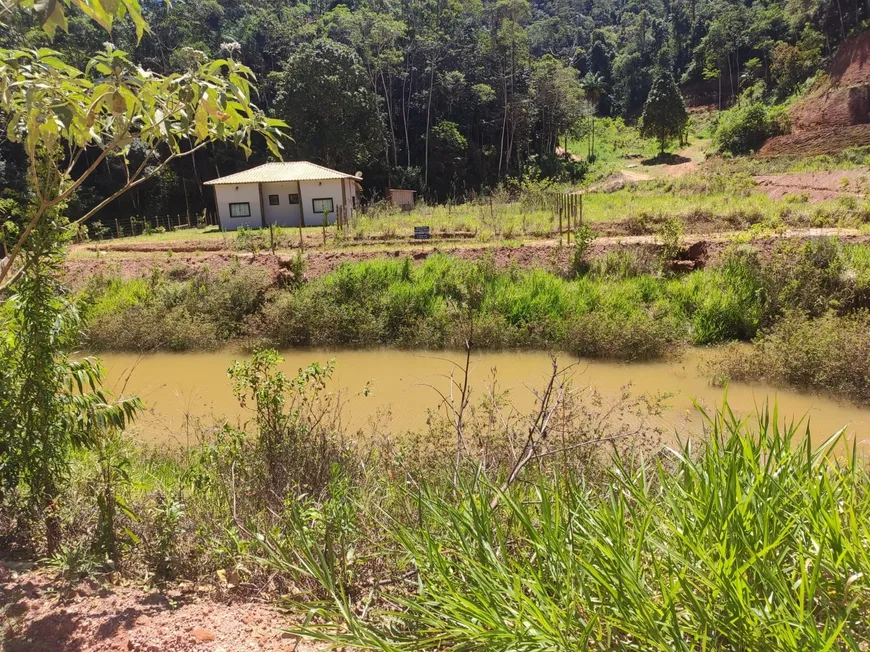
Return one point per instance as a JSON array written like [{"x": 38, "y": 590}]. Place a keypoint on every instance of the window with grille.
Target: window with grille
[
  {"x": 240, "y": 209},
  {"x": 322, "y": 206}
]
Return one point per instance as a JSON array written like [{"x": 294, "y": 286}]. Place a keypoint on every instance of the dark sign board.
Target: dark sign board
[{"x": 421, "y": 233}]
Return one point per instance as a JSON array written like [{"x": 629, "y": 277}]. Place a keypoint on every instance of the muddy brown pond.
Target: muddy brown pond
[{"x": 182, "y": 388}]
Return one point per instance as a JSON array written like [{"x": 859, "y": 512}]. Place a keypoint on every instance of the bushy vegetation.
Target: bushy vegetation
[
  {"x": 827, "y": 352},
  {"x": 620, "y": 306},
  {"x": 743, "y": 128},
  {"x": 176, "y": 310},
  {"x": 398, "y": 303}
]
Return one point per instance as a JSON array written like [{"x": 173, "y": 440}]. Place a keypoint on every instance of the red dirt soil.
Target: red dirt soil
[
  {"x": 816, "y": 186},
  {"x": 831, "y": 107},
  {"x": 852, "y": 64},
  {"x": 41, "y": 615},
  {"x": 539, "y": 254},
  {"x": 835, "y": 114},
  {"x": 820, "y": 141}
]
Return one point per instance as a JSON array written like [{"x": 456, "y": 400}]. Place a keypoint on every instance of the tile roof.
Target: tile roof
[{"x": 286, "y": 171}]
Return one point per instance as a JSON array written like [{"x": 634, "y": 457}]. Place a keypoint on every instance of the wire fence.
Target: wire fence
[
  {"x": 566, "y": 209},
  {"x": 128, "y": 226}
]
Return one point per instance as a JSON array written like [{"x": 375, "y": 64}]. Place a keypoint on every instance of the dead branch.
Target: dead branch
[{"x": 539, "y": 429}]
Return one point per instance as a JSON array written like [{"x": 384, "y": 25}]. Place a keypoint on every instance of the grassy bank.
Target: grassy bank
[
  {"x": 826, "y": 353},
  {"x": 608, "y": 313},
  {"x": 620, "y": 306},
  {"x": 584, "y": 534},
  {"x": 713, "y": 549}
]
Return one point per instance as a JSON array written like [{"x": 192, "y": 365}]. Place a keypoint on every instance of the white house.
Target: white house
[{"x": 293, "y": 193}]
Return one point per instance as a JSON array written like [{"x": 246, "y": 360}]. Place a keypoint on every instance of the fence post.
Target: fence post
[
  {"x": 568, "y": 217},
  {"x": 117, "y": 229}
]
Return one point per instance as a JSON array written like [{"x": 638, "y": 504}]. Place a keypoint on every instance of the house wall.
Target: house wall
[
  {"x": 285, "y": 213},
  {"x": 327, "y": 188},
  {"x": 244, "y": 192}
]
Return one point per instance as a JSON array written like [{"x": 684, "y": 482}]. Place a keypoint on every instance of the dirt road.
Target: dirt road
[{"x": 545, "y": 254}]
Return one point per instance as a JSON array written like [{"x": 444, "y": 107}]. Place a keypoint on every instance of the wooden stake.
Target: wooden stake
[
  {"x": 117, "y": 229},
  {"x": 568, "y": 217}
]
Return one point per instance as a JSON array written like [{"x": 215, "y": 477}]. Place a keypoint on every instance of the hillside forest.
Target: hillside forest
[{"x": 448, "y": 97}]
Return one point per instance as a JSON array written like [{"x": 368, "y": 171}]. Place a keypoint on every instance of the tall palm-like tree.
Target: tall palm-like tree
[{"x": 593, "y": 87}]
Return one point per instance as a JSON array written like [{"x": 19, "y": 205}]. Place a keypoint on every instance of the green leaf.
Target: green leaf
[{"x": 54, "y": 18}]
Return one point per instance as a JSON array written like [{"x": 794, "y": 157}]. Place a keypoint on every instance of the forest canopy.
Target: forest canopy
[{"x": 448, "y": 97}]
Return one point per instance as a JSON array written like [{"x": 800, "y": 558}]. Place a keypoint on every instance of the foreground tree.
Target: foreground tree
[
  {"x": 664, "y": 114},
  {"x": 49, "y": 403},
  {"x": 70, "y": 121}
]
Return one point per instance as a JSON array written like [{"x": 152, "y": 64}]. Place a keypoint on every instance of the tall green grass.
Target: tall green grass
[
  {"x": 624, "y": 307},
  {"x": 388, "y": 302},
  {"x": 748, "y": 538}
]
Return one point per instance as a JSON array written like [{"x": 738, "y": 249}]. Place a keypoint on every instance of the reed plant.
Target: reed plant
[{"x": 747, "y": 537}]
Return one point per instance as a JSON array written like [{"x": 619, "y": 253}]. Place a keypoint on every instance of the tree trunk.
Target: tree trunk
[
  {"x": 593, "y": 136},
  {"x": 503, "y": 125},
  {"x": 730, "y": 75},
  {"x": 389, "y": 104},
  {"x": 428, "y": 122},
  {"x": 405, "y": 111},
  {"x": 842, "y": 24}
]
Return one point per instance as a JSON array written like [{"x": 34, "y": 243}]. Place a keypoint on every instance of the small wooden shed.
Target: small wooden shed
[{"x": 402, "y": 197}]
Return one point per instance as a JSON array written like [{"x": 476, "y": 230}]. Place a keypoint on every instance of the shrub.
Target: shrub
[
  {"x": 828, "y": 353},
  {"x": 731, "y": 306},
  {"x": 744, "y": 128},
  {"x": 609, "y": 334},
  {"x": 805, "y": 276},
  {"x": 178, "y": 312},
  {"x": 625, "y": 263},
  {"x": 670, "y": 237},
  {"x": 583, "y": 238}
]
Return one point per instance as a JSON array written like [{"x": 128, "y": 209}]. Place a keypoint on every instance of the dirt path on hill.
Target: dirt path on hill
[
  {"x": 665, "y": 166},
  {"x": 634, "y": 176},
  {"x": 42, "y": 615}
]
